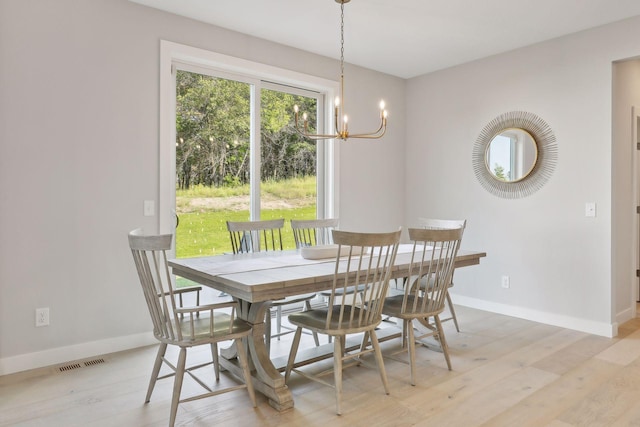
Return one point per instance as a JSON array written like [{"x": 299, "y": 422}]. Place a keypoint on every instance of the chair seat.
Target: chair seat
[
  {"x": 316, "y": 320},
  {"x": 293, "y": 299},
  {"x": 428, "y": 287},
  {"x": 393, "y": 307},
  {"x": 202, "y": 330}
]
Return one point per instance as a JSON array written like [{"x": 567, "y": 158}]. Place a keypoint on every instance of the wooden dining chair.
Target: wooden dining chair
[
  {"x": 369, "y": 261},
  {"x": 184, "y": 327},
  {"x": 259, "y": 236},
  {"x": 433, "y": 260},
  {"x": 439, "y": 224},
  {"x": 255, "y": 236},
  {"x": 312, "y": 232}
]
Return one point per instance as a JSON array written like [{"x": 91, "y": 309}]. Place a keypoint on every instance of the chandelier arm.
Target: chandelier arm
[
  {"x": 374, "y": 135},
  {"x": 314, "y": 136},
  {"x": 382, "y": 128},
  {"x": 345, "y": 135}
]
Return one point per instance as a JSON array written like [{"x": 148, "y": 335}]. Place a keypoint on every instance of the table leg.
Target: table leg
[{"x": 266, "y": 378}]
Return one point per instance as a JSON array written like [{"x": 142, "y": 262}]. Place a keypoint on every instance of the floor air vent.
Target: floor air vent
[
  {"x": 71, "y": 367},
  {"x": 93, "y": 362},
  {"x": 86, "y": 363}
]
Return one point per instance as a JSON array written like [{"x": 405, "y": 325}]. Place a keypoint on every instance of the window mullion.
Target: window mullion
[{"x": 255, "y": 158}]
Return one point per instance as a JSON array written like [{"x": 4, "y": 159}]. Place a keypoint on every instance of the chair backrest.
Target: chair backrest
[
  {"x": 312, "y": 232},
  {"x": 432, "y": 261},
  {"x": 255, "y": 236},
  {"x": 442, "y": 224},
  {"x": 149, "y": 255},
  {"x": 366, "y": 262}
]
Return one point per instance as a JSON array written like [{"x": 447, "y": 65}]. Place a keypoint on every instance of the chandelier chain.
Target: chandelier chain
[{"x": 342, "y": 39}]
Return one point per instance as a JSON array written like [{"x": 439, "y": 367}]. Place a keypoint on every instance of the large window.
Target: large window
[{"x": 235, "y": 154}]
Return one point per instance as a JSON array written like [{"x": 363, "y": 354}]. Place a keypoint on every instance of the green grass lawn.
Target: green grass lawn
[
  {"x": 203, "y": 230},
  {"x": 205, "y": 233}
]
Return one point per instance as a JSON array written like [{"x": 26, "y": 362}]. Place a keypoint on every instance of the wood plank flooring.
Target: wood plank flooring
[{"x": 506, "y": 372}]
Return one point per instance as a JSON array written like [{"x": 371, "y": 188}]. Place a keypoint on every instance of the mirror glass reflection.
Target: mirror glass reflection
[{"x": 511, "y": 155}]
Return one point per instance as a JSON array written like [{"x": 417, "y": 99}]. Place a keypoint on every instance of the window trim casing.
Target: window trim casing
[{"x": 171, "y": 53}]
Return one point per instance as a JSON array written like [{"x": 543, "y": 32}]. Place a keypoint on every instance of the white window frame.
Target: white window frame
[{"x": 198, "y": 60}]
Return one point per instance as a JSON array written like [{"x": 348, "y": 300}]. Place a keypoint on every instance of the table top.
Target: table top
[{"x": 265, "y": 276}]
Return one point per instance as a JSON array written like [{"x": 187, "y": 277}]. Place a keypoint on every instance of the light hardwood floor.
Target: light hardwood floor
[{"x": 506, "y": 372}]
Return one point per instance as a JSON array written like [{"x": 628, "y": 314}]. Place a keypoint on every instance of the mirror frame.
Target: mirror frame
[{"x": 542, "y": 170}]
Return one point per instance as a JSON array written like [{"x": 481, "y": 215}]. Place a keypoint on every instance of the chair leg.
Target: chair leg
[
  {"x": 267, "y": 331},
  {"x": 365, "y": 341},
  {"x": 278, "y": 321},
  {"x": 156, "y": 370},
  {"x": 214, "y": 356},
  {"x": 242, "y": 358},
  {"x": 443, "y": 341},
  {"x": 292, "y": 353},
  {"x": 307, "y": 307},
  {"x": 412, "y": 349},
  {"x": 453, "y": 311},
  {"x": 379, "y": 360},
  {"x": 405, "y": 327},
  {"x": 338, "y": 353},
  {"x": 177, "y": 385}
]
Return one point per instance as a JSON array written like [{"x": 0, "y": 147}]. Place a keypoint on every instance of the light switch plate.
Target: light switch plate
[{"x": 149, "y": 208}]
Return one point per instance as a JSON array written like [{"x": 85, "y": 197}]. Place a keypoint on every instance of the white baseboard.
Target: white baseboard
[
  {"x": 583, "y": 325},
  {"x": 58, "y": 355},
  {"x": 625, "y": 315}
]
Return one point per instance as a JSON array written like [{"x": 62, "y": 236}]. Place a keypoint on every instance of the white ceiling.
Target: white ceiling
[{"x": 405, "y": 38}]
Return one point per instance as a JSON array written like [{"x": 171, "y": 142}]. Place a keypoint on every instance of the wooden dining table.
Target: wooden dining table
[{"x": 256, "y": 279}]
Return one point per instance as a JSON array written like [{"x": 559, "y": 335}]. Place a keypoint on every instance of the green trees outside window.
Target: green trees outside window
[{"x": 213, "y": 160}]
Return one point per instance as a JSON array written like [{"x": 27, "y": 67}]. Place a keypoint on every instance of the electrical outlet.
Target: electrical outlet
[
  {"x": 42, "y": 316},
  {"x": 505, "y": 282},
  {"x": 590, "y": 209}
]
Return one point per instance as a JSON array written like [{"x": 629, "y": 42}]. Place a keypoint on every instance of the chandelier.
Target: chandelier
[{"x": 341, "y": 123}]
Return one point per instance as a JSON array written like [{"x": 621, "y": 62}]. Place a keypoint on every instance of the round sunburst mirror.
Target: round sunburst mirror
[{"x": 515, "y": 154}]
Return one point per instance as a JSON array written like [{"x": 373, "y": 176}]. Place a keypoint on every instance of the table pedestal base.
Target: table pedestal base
[{"x": 280, "y": 398}]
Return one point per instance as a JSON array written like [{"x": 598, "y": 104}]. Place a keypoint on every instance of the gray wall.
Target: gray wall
[
  {"x": 559, "y": 261},
  {"x": 79, "y": 144}
]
